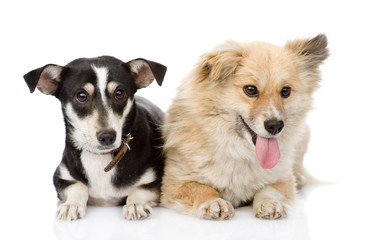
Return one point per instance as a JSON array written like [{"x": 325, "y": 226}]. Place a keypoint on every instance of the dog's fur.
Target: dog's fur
[
  {"x": 100, "y": 109},
  {"x": 212, "y": 126}
]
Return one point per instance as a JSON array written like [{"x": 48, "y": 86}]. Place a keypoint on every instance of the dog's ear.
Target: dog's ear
[
  {"x": 314, "y": 51},
  {"x": 222, "y": 62},
  {"x": 145, "y": 71},
  {"x": 46, "y": 79}
]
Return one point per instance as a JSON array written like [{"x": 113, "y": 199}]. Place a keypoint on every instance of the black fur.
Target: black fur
[{"x": 143, "y": 120}]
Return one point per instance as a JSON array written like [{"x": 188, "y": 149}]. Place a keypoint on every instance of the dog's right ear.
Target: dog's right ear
[
  {"x": 46, "y": 79},
  {"x": 313, "y": 51},
  {"x": 145, "y": 71},
  {"x": 221, "y": 63}
]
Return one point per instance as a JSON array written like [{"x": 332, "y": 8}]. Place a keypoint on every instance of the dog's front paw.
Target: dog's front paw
[
  {"x": 269, "y": 209},
  {"x": 136, "y": 211},
  {"x": 69, "y": 212},
  {"x": 216, "y": 209}
]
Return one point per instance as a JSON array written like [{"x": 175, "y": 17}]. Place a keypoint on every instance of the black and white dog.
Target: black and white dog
[{"x": 104, "y": 124}]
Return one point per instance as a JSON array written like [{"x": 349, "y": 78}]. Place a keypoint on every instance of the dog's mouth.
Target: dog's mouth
[
  {"x": 103, "y": 150},
  {"x": 253, "y": 134},
  {"x": 267, "y": 149}
]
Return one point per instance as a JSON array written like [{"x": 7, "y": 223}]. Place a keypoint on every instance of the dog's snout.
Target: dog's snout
[
  {"x": 274, "y": 126},
  {"x": 106, "y": 137}
]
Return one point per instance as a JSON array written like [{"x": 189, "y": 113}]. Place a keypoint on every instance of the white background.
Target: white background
[{"x": 35, "y": 33}]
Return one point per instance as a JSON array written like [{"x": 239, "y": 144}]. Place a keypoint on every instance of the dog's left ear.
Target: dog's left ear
[
  {"x": 221, "y": 63},
  {"x": 145, "y": 71},
  {"x": 314, "y": 51},
  {"x": 46, "y": 79}
]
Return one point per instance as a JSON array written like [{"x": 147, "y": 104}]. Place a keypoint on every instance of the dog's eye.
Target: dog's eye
[
  {"x": 251, "y": 91},
  {"x": 81, "y": 96},
  {"x": 119, "y": 94},
  {"x": 285, "y": 92}
]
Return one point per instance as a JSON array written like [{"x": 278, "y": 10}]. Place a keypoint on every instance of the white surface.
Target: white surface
[
  {"x": 316, "y": 216},
  {"x": 35, "y": 33}
]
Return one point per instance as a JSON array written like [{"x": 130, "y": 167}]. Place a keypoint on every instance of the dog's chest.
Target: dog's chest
[
  {"x": 100, "y": 182},
  {"x": 239, "y": 177},
  {"x": 236, "y": 181}
]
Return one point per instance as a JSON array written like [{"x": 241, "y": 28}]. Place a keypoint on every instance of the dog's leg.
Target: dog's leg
[
  {"x": 75, "y": 197},
  {"x": 196, "y": 199},
  {"x": 139, "y": 203},
  {"x": 301, "y": 175},
  {"x": 272, "y": 201}
]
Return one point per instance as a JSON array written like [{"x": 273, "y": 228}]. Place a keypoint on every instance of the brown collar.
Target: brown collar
[{"x": 122, "y": 151}]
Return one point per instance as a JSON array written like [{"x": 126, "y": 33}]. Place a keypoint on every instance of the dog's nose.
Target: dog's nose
[
  {"x": 106, "y": 137},
  {"x": 274, "y": 126}
]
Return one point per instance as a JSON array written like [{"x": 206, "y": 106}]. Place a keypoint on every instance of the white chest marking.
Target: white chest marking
[{"x": 100, "y": 182}]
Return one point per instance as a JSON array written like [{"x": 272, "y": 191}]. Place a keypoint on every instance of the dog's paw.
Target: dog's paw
[
  {"x": 136, "y": 211},
  {"x": 269, "y": 209},
  {"x": 69, "y": 212},
  {"x": 216, "y": 209}
]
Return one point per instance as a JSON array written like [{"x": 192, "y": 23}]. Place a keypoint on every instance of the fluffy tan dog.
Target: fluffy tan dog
[{"x": 236, "y": 131}]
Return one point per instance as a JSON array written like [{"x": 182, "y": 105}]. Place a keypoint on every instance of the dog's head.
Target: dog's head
[
  {"x": 267, "y": 88},
  {"x": 97, "y": 95}
]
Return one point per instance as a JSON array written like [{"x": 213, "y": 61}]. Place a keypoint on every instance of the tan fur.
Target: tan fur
[
  {"x": 211, "y": 163},
  {"x": 285, "y": 188}
]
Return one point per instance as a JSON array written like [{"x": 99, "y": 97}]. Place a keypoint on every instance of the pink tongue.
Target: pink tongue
[{"x": 267, "y": 150}]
